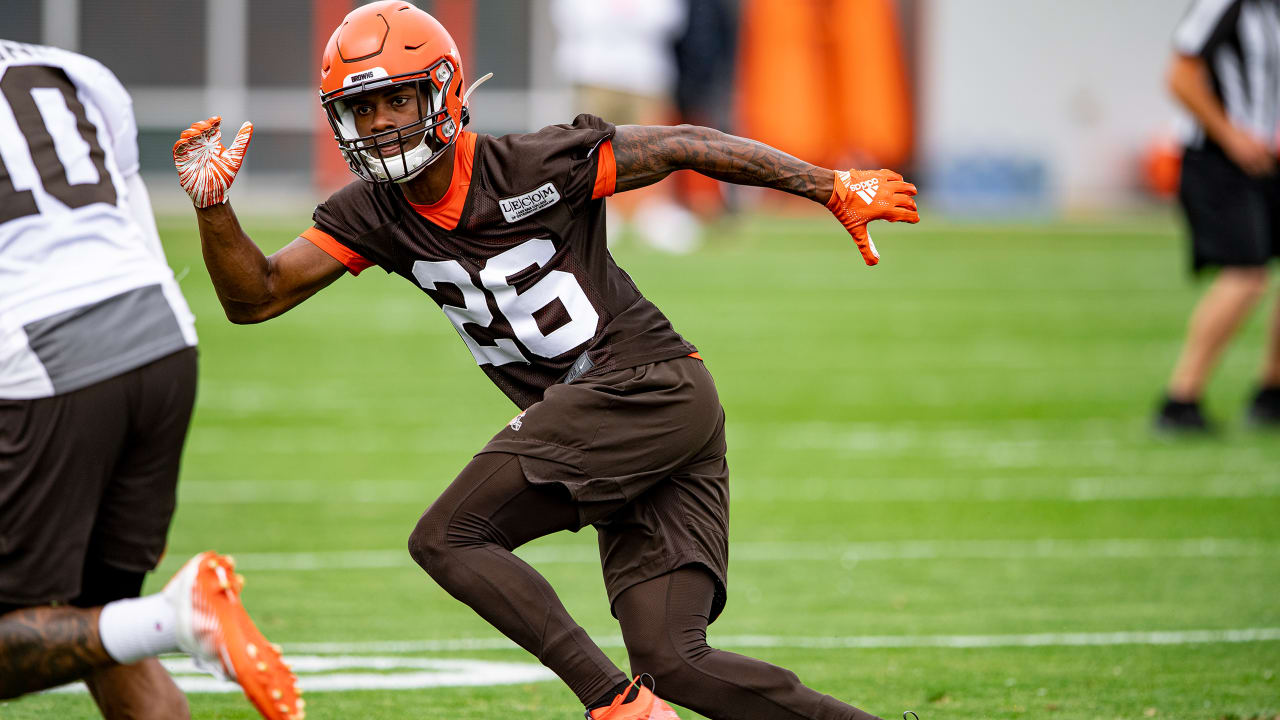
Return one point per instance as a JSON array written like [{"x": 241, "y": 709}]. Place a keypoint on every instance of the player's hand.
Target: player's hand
[
  {"x": 1251, "y": 154},
  {"x": 861, "y": 196},
  {"x": 205, "y": 168}
]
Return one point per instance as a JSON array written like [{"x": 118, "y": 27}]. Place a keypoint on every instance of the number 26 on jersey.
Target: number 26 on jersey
[{"x": 517, "y": 307}]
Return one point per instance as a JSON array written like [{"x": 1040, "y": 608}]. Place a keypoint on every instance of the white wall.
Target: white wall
[{"x": 1078, "y": 83}]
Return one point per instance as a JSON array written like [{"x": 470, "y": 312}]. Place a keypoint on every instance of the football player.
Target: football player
[
  {"x": 97, "y": 383},
  {"x": 620, "y": 426}
]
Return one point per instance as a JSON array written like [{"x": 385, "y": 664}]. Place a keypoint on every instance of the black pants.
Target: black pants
[
  {"x": 464, "y": 541},
  {"x": 1234, "y": 218}
]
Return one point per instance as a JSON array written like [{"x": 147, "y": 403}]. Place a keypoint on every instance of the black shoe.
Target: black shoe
[
  {"x": 1180, "y": 417},
  {"x": 1264, "y": 411}
]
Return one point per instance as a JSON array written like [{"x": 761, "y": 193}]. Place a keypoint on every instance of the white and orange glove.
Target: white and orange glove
[
  {"x": 205, "y": 168},
  {"x": 861, "y": 196}
]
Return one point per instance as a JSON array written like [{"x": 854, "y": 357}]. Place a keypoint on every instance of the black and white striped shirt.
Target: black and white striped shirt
[{"x": 1239, "y": 41}]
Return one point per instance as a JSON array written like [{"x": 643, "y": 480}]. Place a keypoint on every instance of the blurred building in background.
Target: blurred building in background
[
  {"x": 1034, "y": 107},
  {"x": 998, "y": 107},
  {"x": 259, "y": 60}
]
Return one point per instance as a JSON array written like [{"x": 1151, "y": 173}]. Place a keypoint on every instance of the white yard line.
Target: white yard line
[
  {"x": 847, "y": 553},
  {"x": 1168, "y": 637},
  {"x": 755, "y": 489},
  {"x": 321, "y": 665},
  {"x": 319, "y": 674}
]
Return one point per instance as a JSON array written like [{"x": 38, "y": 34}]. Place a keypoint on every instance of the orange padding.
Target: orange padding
[
  {"x": 844, "y": 66},
  {"x": 447, "y": 211},
  {"x": 695, "y": 355},
  {"x": 343, "y": 254},
  {"x": 606, "y": 172}
]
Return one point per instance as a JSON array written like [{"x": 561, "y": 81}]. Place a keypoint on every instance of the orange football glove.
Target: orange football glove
[
  {"x": 861, "y": 196},
  {"x": 205, "y": 168}
]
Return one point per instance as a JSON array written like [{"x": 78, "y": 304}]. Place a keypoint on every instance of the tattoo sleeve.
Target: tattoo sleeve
[
  {"x": 645, "y": 154},
  {"x": 45, "y": 647}
]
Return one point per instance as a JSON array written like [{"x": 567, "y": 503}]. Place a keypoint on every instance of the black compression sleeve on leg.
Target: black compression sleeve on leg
[
  {"x": 101, "y": 583},
  {"x": 607, "y": 699},
  {"x": 464, "y": 541},
  {"x": 664, "y": 625}
]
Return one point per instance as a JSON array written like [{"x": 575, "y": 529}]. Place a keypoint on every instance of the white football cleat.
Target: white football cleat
[{"x": 213, "y": 627}]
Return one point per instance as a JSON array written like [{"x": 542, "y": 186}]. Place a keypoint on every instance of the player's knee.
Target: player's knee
[
  {"x": 427, "y": 544},
  {"x": 1256, "y": 284},
  {"x": 1249, "y": 283}
]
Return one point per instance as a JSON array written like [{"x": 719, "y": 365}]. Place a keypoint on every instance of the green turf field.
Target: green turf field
[{"x": 946, "y": 495}]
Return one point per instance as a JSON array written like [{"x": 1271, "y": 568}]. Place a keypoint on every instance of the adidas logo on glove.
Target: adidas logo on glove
[{"x": 866, "y": 189}]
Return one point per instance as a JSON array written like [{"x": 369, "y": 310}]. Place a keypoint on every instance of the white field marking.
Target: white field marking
[
  {"x": 1154, "y": 226},
  {"x": 315, "y": 674},
  {"x": 301, "y": 492},
  {"x": 803, "y": 489},
  {"x": 304, "y": 441},
  {"x": 1165, "y": 637},
  {"x": 847, "y": 553},
  {"x": 1033, "y": 446},
  {"x": 1157, "y": 226},
  {"x": 1007, "y": 489}
]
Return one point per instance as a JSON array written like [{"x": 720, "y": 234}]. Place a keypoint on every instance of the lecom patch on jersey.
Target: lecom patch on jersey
[{"x": 522, "y": 206}]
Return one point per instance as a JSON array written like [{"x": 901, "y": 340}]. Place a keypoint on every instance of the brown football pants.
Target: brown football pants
[{"x": 464, "y": 541}]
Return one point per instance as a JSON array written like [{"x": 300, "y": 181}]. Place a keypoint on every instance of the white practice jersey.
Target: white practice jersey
[
  {"x": 1239, "y": 41},
  {"x": 85, "y": 292}
]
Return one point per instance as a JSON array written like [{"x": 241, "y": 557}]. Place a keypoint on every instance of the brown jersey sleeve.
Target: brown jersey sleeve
[
  {"x": 344, "y": 223},
  {"x": 566, "y": 155}
]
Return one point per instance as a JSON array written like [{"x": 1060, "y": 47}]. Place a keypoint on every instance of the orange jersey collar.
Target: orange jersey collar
[{"x": 447, "y": 211}]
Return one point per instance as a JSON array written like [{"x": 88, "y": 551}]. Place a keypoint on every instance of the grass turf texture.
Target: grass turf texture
[{"x": 983, "y": 389}]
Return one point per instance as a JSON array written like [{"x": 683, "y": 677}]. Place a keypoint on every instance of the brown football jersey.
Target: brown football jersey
[{"x": 515, "y": 255}]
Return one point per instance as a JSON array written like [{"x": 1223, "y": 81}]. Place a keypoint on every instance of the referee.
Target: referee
[{"x": 1226, "y": 73}]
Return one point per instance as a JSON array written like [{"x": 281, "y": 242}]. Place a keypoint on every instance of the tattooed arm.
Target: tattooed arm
[{"x": 645, "y": 154}]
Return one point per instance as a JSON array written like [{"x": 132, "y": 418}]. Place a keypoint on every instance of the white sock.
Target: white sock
[{"x": 138, "y": 628}]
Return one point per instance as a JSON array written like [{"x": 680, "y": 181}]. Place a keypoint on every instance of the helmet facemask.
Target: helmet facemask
[{"x": 427, "y": 138}]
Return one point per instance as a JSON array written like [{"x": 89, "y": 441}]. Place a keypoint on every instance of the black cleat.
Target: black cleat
[
  {"x": 1177, "y": 417},
  {"x": 1264, "y": 411}
]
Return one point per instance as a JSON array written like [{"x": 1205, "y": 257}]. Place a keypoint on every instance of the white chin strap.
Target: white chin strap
[{"x": 413, "y": 161}]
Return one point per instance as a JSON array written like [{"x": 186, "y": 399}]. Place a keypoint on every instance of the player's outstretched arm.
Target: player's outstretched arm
[
  {"x": 645, "y": 154},
  {"x": 251, "y": 286}
]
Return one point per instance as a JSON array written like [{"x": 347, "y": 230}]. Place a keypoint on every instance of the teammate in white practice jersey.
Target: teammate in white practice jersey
[{"x": 97, "y": 383}]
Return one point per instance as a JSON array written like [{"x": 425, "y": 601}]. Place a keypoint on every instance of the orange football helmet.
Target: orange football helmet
[{"x": 381, "y": 45}]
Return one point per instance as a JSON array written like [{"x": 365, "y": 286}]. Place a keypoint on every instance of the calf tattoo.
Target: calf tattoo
[
  {"x": 645, "y": 154},
  {"x": 48, "y": 646}
]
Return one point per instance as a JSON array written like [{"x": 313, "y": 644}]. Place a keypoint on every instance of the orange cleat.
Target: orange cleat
[
  {"x": 215, "y": 630},
  {"x": 646, "y": 706}
]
